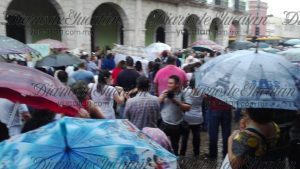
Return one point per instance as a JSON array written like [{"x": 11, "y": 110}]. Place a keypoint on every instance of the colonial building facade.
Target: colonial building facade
[{"x": 88, "y": 24}]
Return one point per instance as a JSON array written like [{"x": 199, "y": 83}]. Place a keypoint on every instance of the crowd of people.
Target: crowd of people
[{"x": 163, "y": 102}]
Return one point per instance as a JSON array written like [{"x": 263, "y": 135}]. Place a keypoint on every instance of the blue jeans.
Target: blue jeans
[
  {"x": 121, "y": 110},
  {"x": 217, "y": 118}
]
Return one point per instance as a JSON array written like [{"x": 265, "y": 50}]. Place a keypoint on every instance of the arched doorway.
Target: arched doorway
[
  {"x": 191, "y": 30},
  {"x": 185, "y": 43},
  {"x": 160, "y": 35},
  {"x": 235, "y": 31},
  {"x": 107, "y": 26},
  {"x": 33, "y": 20},
  {"x": 155, "y": 27},
  {"x": 216, "y": 30}
]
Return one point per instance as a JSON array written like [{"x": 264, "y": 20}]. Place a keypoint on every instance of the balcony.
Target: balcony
[
  {"x": 199, "y": 1},
  {"x": 221, "y": 4},
  {"x": 239, "y": 6}
]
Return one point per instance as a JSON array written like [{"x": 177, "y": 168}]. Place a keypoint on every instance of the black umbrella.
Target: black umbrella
[
  {"x": 241, "y": 45},
  {"x": 58, "y": 60}
]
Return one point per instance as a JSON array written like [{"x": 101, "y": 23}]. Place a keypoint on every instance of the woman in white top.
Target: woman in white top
[
  {"x": 104, "y": 95},
  {"x": 193, "y": 119}
]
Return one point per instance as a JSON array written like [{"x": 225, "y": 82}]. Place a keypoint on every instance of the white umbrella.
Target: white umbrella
[
  {"x": 155, "y": 49},
  {"x": 246, "y": 79}
]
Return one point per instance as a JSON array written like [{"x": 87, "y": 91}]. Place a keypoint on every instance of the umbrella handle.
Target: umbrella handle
[{"x": 64, "y": 131}]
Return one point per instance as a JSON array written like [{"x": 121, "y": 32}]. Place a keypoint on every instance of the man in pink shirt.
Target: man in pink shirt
[{"x": 162, "y": 76}]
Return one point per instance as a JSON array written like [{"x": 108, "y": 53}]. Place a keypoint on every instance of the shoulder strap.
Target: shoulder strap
[{"x": 253, "y": 130}]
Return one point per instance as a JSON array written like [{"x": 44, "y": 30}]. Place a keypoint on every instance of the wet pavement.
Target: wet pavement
[{"x": 191, "y": 162}]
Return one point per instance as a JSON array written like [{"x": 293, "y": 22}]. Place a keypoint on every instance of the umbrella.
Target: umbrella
[
  {"x": 202, "y": 48},
  {"x": 292, "y": 54},
  {"x": 211, "y": 44},
  {"x": 271, "y": 50},
  {"x": 203, "y": 42},
  {"x": 12, "y": 46},
  {"x": 130, "y": 51},
  {"x": 241, "y": 45},
  {"x": 263, "y": 45},
  {"x": 36, "y": 89},
  {"x": 54, "y": 44},
  {"x": 57, "y": 60},
  {"x": 292, "y": 42},
  {"x": 85, "y": 143},
  {"x": 246, "y": 79},
  {"x": 2, "y": 59},
  {"x": 155, "y": 49}
]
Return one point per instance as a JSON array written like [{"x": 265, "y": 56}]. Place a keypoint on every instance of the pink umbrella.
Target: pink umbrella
[
  {"x": 209, "y": 43},
  {"x": 54, "y": 44},
  {"x": 36, "y": 89}
]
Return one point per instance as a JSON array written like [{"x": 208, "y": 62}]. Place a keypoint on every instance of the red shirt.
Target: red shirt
[
  {"x": 216, "y": 104},
  {"x": 116, "y": 71}
]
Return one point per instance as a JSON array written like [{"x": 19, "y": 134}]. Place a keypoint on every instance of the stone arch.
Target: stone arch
[
  {"x": 216, "y": 30},
  {"x": 192, "y": 29},
  {"x": 157, "y": 18},
  {"x": 114, "y": 22},
  {"x": 40, "y": 19},
  {"x": 235, "y": 30}
]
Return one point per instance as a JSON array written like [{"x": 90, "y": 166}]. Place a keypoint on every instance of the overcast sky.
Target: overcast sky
[{"x": 277, "y": 7}]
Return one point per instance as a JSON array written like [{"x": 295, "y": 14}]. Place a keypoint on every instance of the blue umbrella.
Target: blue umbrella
[
  {"x": 292, "y": 42},
  {"x": 245, "y": 79},
  {"x": 84, "y": 143},
  {"x": 263, "y": 45}
]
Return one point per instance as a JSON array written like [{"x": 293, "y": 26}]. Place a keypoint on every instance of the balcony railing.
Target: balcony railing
[
  {"x": 221, "y": 3},
  {"x": 199, "y": 1}
]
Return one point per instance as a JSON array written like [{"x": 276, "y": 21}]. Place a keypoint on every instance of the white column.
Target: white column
[
  {"x": 67, "y": 35},
  {"x": 28, "y": 33},
  {"x": 223, "y": 36},
  {"x": 203, "y": 32},
  {"x": 129, "y": 36},
  {"x": 3, "y": 26},
  {"x": 242, "y": 35}
]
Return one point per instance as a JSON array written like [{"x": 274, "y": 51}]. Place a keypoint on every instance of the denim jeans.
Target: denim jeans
[
  {"x": 196, "y": 139},
  {"x": 217, "y": 118}
]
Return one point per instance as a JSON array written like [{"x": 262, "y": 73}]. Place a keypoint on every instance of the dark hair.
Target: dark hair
[
  {"x": 82, "y": 65},
  {"x": 138, "y": 66},
  {"x": 155, "y": 68},
  {"x": 110, "y": 56},
  {"x": 260, "y": 115},
  {"x": 62, "y": 76},
  {"x": 164, "y": 53},
  {"x": 192, "y": 83},
  {"x": 39, "y": 118},
  {"x": 103, "y": 75},
  {"x": 175, "y": 78},
  {"x": 129, "y": 61},
  {"x": 150, "y": 65},
  {"x": 81, "y": 90},
  {"x": 171, "y": 60},
  {"x": 157, "y": 60},
  {"x": 143, "y": 83},
  {"x": 121, "y": 64}
]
